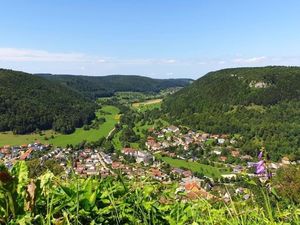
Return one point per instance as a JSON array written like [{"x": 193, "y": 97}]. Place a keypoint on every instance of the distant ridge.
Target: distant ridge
[{"x": 104, "y": 86}]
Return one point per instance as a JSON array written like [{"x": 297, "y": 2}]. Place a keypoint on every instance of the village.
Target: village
[{"x": 170, "y": 142}]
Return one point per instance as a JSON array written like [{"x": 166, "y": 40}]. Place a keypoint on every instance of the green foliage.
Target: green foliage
[
  {"x": 227, "y": 101},
  {"x": 94, "y": 87},
  {"x": 287, "y": 183},
  {"x": 194, "y": 167},
  {"x": 13, "y": 190},
  {"x": 28, "y": 103},
  {"x": 48, "y": 200}
]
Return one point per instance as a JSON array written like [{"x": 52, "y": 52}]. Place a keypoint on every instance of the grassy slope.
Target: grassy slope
[
  {"x": 8, "y": 138},
  {"x": 193, "y": 166},
  {"x": 147, "y": 105},
  {"x": 63, "y": 140}
]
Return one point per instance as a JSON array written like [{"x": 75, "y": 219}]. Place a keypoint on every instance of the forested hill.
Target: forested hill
[
  {"x": 96, "y": 86},
  {"x": 262, "y": 104},
  {"x": 29, "y": 102}
]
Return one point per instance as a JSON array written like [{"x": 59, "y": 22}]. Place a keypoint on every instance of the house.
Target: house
[
  {"x": 217, "y": 152},
  {"x": 191, "y": 179},
  {"x": 177, "y": 171},
  {"x": 224, "y": 136},
  {"x": 117, "y": 165},
  {"x": 160, "y": 135},
  {"x": 192, "y": 186},
  {"x": 165, "y": 144},
  {"x": 106, "y": 158},
  {"x": 171, "y": 154},
  {"x": 228, "y": 176},
  {"x": 156, "y": 146},
  {"x": 238, "y": 169},
  {"x": 235, "y": 153},
  {"x": 26, "y": 155},
  {"x": 144, "y": 157},
  {"x": 204, "y": 136},
  {"x": 173, "y": 129},
  {"x": 223, "y": 158},
  {"x": 194, "y": 190},
  {"x": 6, "y": 151},
  {"x": 187, "y": 173},
  {"x": 156, "y": 173},
  {"x": 221, "y": 141},
  {"x": 214, "y": 136},
  {"x": 129, "y": 151},
  {"x": 24, "y": 146},
  {"x": 186, "y": 147},
  {"x": 79, "y": 170},
  {"x": 188, "y": 140}
]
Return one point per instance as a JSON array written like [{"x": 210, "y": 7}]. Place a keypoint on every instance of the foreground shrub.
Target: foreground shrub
[{"x": 51, "y": 200}]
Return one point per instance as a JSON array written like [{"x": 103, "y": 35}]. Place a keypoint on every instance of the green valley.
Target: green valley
[{"x": 110, "y": 113}]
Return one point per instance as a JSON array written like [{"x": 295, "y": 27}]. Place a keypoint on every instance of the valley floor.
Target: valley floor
[{"x": 110, "y": 114}]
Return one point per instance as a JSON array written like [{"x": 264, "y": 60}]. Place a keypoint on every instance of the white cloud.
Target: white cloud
[
  {"x": 39, "y": 56},
  {"x": 169, "y": 61},
  {"x": 29, "y": 55},
  {"x": 31, "y": 60},
  {"x": 250, "y": 60},
  {"x": 102, "y": 61}
]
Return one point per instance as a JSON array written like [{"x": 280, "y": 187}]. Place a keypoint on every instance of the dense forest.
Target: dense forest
[
  {"x": 29, "y": 103},
  {"x": 260, "y": 104},
  {"x": 105, "y": 86}
]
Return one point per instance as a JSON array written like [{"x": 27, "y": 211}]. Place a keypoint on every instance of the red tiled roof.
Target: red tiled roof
[
  {"x": 129, "y": 150},
  {"x": 187, "y": 173},
  {"x": 192, "y": 186},
  {"x": 26, "y": 154}
]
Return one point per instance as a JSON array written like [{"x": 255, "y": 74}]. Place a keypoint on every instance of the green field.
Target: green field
[
  {"x": 148, "y": 105},
  {"x": 111, "y": 116},
  {"x": 193, "y": 166}
]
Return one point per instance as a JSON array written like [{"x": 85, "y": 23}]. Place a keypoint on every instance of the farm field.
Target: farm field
[
  {"x": 8, "y": 138},
  {"x": 148, "y": 105},
  {"x": 110, "y": 113},
  {"x": 193, "y": 166}
]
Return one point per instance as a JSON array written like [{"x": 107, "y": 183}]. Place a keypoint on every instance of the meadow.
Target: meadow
[
  {"x": 110, "y": 113},
  {"x": 193, "y": 166},
  {"x": 147, "y": 105}
]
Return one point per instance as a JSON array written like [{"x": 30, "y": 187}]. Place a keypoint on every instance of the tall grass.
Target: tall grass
[{"x": 120, "y": 201}]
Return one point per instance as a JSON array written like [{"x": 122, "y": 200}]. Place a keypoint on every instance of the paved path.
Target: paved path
[
  {"x": 110, "y": 132},
  {"x": 103, "y": 163}
]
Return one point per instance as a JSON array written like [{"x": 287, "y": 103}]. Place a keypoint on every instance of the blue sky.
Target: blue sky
[{"x": 158, "y": 38}]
